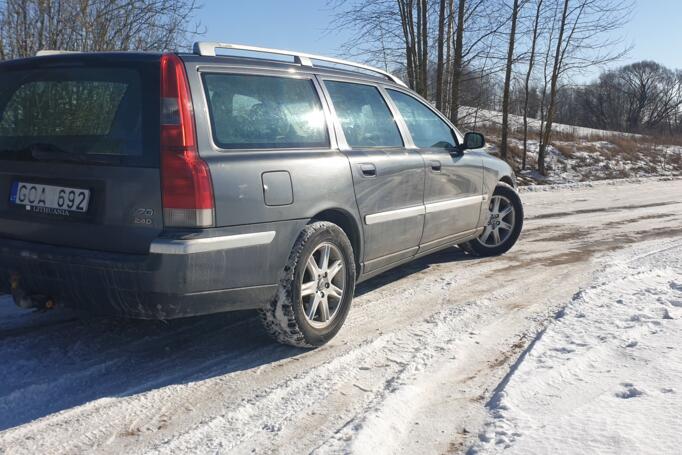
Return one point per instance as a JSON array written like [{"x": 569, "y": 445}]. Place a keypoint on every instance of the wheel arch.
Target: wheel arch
[
  {"x": 508, "y": 180},
  {"x": 349, "y": 225}
]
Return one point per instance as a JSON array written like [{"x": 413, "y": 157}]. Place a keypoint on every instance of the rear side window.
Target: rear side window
[
  {"x": 84, "y": 114},
  {"x": 364, "y": 115},
  {"x": 253, "y": 112},
  {"x": 427, "y": 129}
]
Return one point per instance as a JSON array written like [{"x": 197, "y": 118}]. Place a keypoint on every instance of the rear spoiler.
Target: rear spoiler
[{"x": 46, "y": 52}]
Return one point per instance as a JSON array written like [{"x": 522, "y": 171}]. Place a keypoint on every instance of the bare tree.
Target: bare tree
[
  {"x": 440, "y": 62},
  {"x": 507, "y": 80},
  {"x": 415, "y": 34},
  {"x": 529, "y": 73},
  {"x": 556, "y": 71},
  {"x": 423, "y": 46},
  {"x": 457, "y": 62},
  {"x": 584, "y": 41},
  {"x": 547, "y": 63},
  {"x": 473, "y": 51},
  {"x": 643, "y": 97},
  {"x": 27, "y": 26},
  {"x": 448, "y": 62}
]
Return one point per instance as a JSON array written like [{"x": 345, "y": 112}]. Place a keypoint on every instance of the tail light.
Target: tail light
[{"x": 186, "y": 188}]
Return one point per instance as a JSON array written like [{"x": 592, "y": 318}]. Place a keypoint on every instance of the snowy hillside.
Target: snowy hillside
[
  {"x": 584, "y": 160},
  {"x": 472, "y": 117},
  {"x": 577, "y": 154}
]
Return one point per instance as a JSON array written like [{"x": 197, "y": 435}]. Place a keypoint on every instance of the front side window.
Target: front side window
[
  {"x": 253, "y": 112},
  {"x": 426, "y": 128},
  {"x": 364, "y": 115}
]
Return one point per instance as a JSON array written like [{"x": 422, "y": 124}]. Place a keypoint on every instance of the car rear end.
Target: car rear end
[{"x": 105, "y": 203}]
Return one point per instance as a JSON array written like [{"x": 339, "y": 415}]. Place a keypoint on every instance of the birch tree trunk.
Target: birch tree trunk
[
  {"x": 507, "y": 81},
  {"x": 529, "y": 73},
  {"x": 457, "y": 63},
  {"x": 440, "y": 63},
  {"x": 556, "y": 70}
]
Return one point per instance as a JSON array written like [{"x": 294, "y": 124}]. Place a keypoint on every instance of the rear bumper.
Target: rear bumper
[{"x": 185, "y": 274}]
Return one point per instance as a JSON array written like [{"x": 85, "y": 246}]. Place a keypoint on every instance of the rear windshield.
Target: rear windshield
[
  {"x": 253, "y": 112},
  {"x": 93, "y": 115}
]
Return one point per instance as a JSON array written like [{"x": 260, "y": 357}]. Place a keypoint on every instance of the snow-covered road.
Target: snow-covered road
[
  {"x": 605, "y": 376},
  {"x": 424, "y": 349}
]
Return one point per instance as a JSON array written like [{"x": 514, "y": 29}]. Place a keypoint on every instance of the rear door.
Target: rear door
[
  {"x": 454, "y": 180},
  {"x": 79, "y": 151},
  {"x": 388, "y": 178}
]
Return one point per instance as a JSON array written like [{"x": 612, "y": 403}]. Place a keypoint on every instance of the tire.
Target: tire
[
  {"x": 486, "y": 245},
  {"x": 297, "y": 314}
]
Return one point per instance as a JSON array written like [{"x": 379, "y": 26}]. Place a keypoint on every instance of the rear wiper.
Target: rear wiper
[
  {"x": 40, "y": 150},
  {"x": 51, "y": 152}
]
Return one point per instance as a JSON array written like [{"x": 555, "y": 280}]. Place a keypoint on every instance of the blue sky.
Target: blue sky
[
  {"x": 656, "y": 32},
  {"x": 655, "y": 29},
  {"x": 285, "y": 24}
]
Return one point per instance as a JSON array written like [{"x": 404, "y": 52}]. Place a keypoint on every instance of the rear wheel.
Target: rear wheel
[
  {"x": 316, "y": 288},
  {"x": 503, "y": 225}
]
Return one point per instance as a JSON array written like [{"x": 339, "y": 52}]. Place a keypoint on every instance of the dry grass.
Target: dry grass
[
  {"x": 628, "y": 148},
  {"x": 515, "y": 152},
  {"x": 598, "y": 157},
  {"x": 566, "y": 149},
  {"x": 664, "y": 139}
]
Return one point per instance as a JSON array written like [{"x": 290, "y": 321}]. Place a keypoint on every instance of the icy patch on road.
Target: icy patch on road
[{"x": 606, "y": 375}]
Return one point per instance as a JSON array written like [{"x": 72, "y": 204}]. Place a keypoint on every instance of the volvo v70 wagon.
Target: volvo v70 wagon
[{"x": 179, "y": 184}]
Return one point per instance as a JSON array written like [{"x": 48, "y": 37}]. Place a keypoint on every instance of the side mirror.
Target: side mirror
[{"x": 473, "y": 141}]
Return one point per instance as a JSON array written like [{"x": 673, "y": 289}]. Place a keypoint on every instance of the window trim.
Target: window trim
[
  {"x": 341, "y": 136},
  {"x": 204, "y": 70},
  {"x": 456, "y": 133}
]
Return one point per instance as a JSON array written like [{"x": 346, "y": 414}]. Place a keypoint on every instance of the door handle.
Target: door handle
[
  {"x": 368, "y": 170},
  {"x": 435, "y": 166}
]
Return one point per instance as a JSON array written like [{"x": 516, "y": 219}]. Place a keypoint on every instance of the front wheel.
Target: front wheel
[
  {"x": 503, "y": 224},
  {"x": 316, "y": 288}
]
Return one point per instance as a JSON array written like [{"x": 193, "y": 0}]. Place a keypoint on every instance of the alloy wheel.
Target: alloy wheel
[
  {"x": 322, "y": 285},
  {"x": 501, "y": 222}
]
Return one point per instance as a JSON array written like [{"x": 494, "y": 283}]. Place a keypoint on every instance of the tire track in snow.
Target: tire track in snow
[
  {"x": 110, "y": 413},
  {"x": 411, "y": 349},
  {"x": 115, "y": 415}
]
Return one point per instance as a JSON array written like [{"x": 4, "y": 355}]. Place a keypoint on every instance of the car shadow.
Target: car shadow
[
  {"x": 56, "y": 361},
  {"x": 448, "y": 255}
]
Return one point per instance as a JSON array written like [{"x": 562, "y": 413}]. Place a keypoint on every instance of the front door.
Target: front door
[
  {"x": 453, "y": 191},
  {"x": 388, "y": 178}
]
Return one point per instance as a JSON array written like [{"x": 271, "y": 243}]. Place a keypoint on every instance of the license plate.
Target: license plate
[{"x": 50, "y": 199}]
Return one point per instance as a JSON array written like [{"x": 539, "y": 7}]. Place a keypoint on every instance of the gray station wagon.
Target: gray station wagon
[{"x": 180, "y": 184}]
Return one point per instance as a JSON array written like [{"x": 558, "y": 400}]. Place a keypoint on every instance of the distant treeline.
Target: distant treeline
[{"x": 643, "y": 97}]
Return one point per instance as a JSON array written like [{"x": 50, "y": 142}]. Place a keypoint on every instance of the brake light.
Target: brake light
[{"x": 186, "y": 188}]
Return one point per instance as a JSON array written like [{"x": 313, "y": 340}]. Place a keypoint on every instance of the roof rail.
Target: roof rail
[
  {"x": 209, "y": 49},
  {"x": 45, "y": 52}
]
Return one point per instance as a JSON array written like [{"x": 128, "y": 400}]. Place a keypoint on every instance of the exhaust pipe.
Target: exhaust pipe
[{"x": 27, "y": 302}]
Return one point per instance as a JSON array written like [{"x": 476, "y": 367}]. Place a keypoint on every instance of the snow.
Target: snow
[
  {"x": 606, "y": 375},
  {"x": 425, "y": 348},
  {"x": 473, "y": 117},
  {"x": 590, "y": 161},
  {"x": 594, "y": 184}
]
